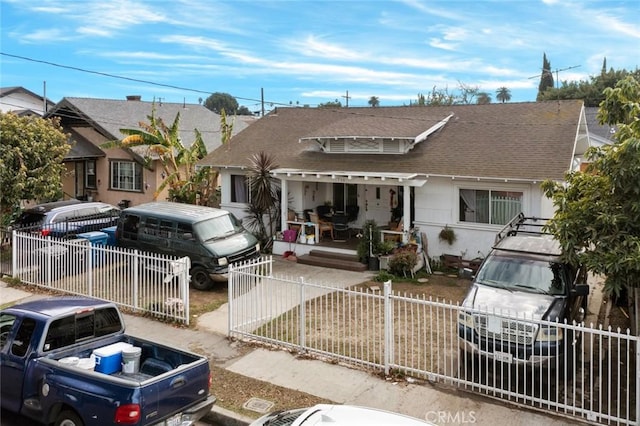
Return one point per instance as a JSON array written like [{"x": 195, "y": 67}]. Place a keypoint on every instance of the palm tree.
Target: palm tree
[
  {"x": 503, "y": 94},
  {"x": 374, "y": 101}
]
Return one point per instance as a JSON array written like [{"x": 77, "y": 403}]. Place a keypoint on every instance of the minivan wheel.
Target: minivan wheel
[{"x": 200, "y": 279}]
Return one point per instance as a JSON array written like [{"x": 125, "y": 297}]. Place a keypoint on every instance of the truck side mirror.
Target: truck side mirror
[{"x": 580, "y": 290}]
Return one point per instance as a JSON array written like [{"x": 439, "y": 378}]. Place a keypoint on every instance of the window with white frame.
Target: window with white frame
[
  {"x": 126, "y": 175},
  {"x": 239, "y": 189},
  {"x": 90, "y": 173},
  {"x": 496, "y": 207}
]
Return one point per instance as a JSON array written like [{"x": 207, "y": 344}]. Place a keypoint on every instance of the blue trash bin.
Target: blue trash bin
[
  {"x": 96, "y": 238},
  {"x": 111, "y": 235}
]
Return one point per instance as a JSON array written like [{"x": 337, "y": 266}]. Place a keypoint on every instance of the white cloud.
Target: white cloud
[{"x": 312, "y": 46}]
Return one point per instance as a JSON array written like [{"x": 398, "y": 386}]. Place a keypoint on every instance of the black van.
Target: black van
[{"x": 211, "y": 238}]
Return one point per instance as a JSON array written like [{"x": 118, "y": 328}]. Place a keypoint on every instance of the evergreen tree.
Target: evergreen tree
[{"x": 546, "y": 78}]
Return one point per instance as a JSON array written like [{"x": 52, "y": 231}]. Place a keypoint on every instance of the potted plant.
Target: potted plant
[
  {"x": 369, "y": 245},
  {"x": 385, "y": 250},
  {"x": 447, "y": 234}
]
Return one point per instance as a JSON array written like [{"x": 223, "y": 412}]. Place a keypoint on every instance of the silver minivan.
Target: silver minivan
[{"x": 211, "y": 238}]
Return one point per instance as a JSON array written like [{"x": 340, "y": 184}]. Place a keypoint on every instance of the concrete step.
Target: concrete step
[
  {"x": 334, "y": 255},
  {"x": 332, "y": 261}
]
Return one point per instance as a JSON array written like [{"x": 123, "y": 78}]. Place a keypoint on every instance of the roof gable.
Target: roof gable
[{"x": 108, "y": 116}]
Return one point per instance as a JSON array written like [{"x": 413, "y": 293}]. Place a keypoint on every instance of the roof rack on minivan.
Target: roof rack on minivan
[{"x": 520, "y": 224}]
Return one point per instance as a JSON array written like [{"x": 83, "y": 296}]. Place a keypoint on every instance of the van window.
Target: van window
[
  {"x": 183, "y": 230},
  {"x": 130, "y": 227},
  {"x": 166, "y": 229},
  {"x": 151, "y": 226},
  {"x": 217, "y": 227}
]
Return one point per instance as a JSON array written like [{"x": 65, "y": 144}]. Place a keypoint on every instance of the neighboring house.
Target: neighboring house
[
  {"x": 599, "y": 134},
  {"x": 469, "y": 167},
  {"x": 21, "y": 101},
  {"x": 120, "y": 176}
]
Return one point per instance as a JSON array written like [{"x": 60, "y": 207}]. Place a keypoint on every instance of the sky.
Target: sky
[{"x": 273, "y": 53}]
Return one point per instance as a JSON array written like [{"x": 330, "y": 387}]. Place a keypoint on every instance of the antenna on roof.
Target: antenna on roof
[{"x": 557, "y": 82}]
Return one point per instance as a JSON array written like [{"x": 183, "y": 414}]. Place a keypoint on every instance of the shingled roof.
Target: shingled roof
[
  {"x": 108, "y": 116},
  {"x": 529, "y": 141}
]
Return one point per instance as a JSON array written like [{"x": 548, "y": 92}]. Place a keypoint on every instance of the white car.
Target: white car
[{"x": 337, "y": 415}]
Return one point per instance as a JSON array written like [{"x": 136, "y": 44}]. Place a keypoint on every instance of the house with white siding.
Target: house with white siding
[{"x": 467, "y": 167}]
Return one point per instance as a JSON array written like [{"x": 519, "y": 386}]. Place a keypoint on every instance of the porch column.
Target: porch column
[
  {"x": 284, "y": 207},
  {"x": 406, "y": 214}
]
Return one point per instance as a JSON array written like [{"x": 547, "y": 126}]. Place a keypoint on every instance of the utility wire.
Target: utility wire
[{"x": 104, "y": 74}]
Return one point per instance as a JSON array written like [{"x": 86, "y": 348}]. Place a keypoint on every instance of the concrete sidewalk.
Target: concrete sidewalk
[{"x": 334, "y": 382}]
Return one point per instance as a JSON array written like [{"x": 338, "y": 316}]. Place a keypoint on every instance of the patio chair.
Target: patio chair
[
  {"x": 323, "y": 226},
  {"x": 341, "y": 225}
]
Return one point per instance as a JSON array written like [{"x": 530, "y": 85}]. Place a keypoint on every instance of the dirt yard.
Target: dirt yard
[{"x": 233, "y": 390}]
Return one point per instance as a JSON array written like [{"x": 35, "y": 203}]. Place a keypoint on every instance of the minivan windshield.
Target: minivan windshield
[
  {"x": 217, "y": 227},
  {"x": 520, "y": 274}
]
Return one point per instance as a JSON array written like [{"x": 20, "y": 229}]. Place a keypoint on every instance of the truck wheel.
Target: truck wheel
[
  {"x": 68, "y": 418},
  {"x": 200, "y": 279}
]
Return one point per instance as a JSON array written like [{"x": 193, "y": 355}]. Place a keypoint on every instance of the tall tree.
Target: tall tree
[
  {"x": 546, "y": 78},
  {"x": 598, "y": 210},
  {"x": 374, "y": 101},
  {"x": 503, "y": 94},
  {"x": 219, "y": 102},
  {"x": 31, "y": 155}
]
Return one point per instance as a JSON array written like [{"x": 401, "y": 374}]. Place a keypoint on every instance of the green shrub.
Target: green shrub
[{"x": 403, "y": 263}]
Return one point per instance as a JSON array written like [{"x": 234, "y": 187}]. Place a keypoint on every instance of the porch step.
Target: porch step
[
  {"x": 328, "y": 259},
  {"x": 334, "y": 255}
]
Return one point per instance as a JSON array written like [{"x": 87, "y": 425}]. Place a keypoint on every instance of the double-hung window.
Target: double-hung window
[
  {"x": 126, "y": 175},
  {"x": 496, "y": 207}
]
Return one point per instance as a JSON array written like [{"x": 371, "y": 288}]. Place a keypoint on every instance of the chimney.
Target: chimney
[{"x": 134, "y": 97}]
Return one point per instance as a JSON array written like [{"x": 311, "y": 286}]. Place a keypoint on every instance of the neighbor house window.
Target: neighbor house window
[
  {"x": 126, "y": 175},
  {"x": 489, "y": 206},
  {"x": 239, "y": 189},
  {"x": 90, "y": 174}
]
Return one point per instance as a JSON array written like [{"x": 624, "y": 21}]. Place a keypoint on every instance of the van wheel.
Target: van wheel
[{"x": 200, "y": 279}]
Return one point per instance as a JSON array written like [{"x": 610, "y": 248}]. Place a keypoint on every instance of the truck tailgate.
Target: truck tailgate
[{"x": 170, "y": 393}]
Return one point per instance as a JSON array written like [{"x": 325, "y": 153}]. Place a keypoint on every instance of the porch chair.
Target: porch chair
[
  {"x": 341, "y": 225},
  {"x": 322, "y": 225}
]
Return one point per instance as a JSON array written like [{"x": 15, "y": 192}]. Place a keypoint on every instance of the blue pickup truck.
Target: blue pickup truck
[{"x": 62, "y": 362}]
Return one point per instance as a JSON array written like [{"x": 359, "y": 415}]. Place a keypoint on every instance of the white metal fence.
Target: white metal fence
[
  {"x": 143, "y": 282},
  {"x": 421, "y": 337}
]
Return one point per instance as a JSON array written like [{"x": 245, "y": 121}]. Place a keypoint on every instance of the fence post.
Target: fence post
[
  {"x": 184, "y": 281},
  {"x": 388, "y": 327},
  {"x": 136, "y": 277},
  {"x": 301, "y": 317},
  {"x": 231, "y": 285},
  {"x": 14, "y": 253},
  {"x": 90, "y": 266}
]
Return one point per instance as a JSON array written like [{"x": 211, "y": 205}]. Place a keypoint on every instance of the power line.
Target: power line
[{"x": 136, "y": 80}]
